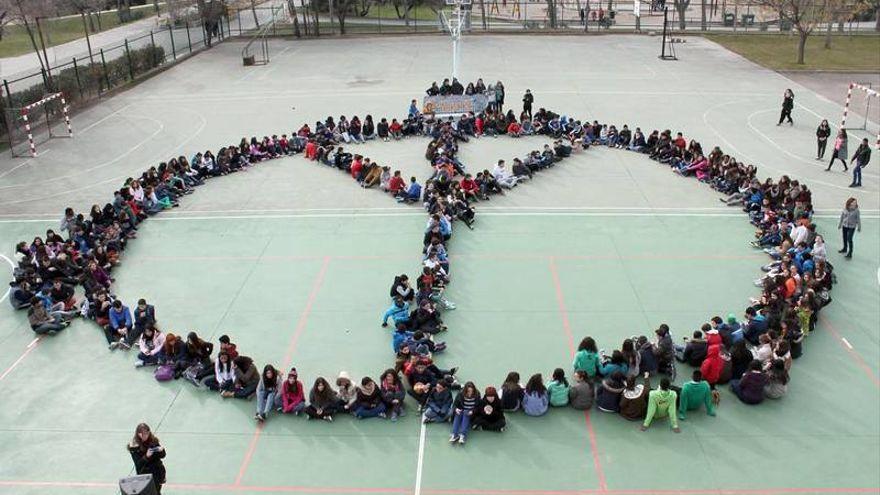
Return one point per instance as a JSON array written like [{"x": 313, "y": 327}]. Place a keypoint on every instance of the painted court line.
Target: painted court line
[
  {"x": 33, "y": 345},
  {"x": 856, "y": 357},
  {"x": 11, "y": 267},
  {"x": 288, "y": 356},
  {"x": 421, "y": 460},
  {"x": 214, "y": 488},
  {"x": 566, "y": 325}
]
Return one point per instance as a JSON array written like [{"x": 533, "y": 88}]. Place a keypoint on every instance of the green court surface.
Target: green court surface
[
  {"x": 528, "y": 287},
  {"x": 294, "y": 261}
]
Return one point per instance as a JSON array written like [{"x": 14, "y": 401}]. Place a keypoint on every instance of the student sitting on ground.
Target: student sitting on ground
[
  {"x": 292, "y": 394},
  {"x": 489, "y": 415},
  {"x": 634, "y": 399},
  {"x": 581, "y": 393},
  {"x": 392, "y": 393},
  {"x": 224, "y": 374},
  {"x": 462, "y": 412},
  {"x": 151, "y": 345},
  {"x": 247, "y": 378},
  {"x": 750, "y": 388},
  {"x": 558, "y": 389},
  {"x": 661, "y": 404},
  {"x": 323, "y": 401},
  {"x": 369, "y": 402},
  {"x": 696, "y": 394},
  {"x": 587, "y": 357},
  {"x": 438, "y": 405},
  {"x": 535, "y": 401},
  {"x": 268, "y": 392},
  {"x": 608, "y": 395},
  {"x": 347, "y": 392},
  {"x": 511, "y": 392}
]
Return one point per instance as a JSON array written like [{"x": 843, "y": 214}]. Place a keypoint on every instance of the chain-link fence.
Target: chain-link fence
[
  {"x": 566, "y": 16},
  {"x": 86, "y": 77}
]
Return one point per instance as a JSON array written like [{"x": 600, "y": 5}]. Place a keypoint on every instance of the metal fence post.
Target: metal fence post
[
  {"x": 78, "y": 82},
  {"x": 8, "y": 93},
  {"x": 152, "y": 40},
  {"x": 173, "y": 50},
  {"x": 188, "y": 39},
  {"x": 104, "y": 65},
  {"x": 130, "y": 65}
]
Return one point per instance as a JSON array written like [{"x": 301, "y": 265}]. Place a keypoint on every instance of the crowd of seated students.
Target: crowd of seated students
[{"x": 754, "y": 355}]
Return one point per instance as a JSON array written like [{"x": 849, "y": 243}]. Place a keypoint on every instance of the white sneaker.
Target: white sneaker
[
  {"x": 138, "y": 364},
  {"x": 461, "y": 440},
  {"x": 453, "y": 438}
]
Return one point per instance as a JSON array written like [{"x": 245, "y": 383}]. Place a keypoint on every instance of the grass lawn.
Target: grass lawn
[
  {"x": 58, "y": 31},
  {"x": 387, "y": 12},
  {"x": 779, "y": 52}
]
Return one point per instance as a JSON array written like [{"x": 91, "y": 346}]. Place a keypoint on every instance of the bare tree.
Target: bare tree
[
  {"x": 551, "y": 13},
  {"x": 342, "y": 9},
  {"x": 702, "y": 15},
  {"x": 291, "y": 6},
  {"x": 24, "y": 13},
  {"x": 804, "y": 16},
  {"x": 4, "y": 20}
]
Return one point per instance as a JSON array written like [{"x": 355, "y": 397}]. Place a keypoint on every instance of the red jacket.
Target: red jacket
[
  {"x": 311, "y": 150},
  {"x": 356, "y": 167},
  {"x": 469, "y": 186},
  {"x": 713, "y": 365},
  {"x": 396, "y": 184}
]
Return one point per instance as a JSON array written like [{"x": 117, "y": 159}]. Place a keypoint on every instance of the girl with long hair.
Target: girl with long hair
[
  {"x": 535, "y": 401},
  {"x": 147, "y": 454}
]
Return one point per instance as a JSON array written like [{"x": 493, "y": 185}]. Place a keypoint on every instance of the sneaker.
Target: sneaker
[
  {"x": 328, "y": 418},
  {"x": 461, "y": 440},
  {"x": 394, "y": 417},
  {"x": 138, "y": 364},
  {"x": 453, "y": 438},
  {"x": 125, "y": 346},
  {"x": 113, "y": 346},
  {"x": 382, "y": 415}
]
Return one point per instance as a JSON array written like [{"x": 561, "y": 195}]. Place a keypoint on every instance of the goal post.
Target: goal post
[
  {"x": 866, "y": 98},
  {"x": 26, "y": 124}
]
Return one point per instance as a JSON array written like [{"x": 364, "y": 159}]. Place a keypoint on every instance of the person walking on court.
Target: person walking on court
[
  {"x": 839, "y": 151},
  {"x": 528, "y": 99},
  {"x": 822, "y": 134},
  {"x": 850, "y": 221},
  {"x": 860, "y": 160},
  {"x": 787, "y": 107}
]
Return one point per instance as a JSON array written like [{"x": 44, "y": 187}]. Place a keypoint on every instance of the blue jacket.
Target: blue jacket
[
  {"x": 414, "y": 191},
  {"x": 120, "y": 318},
  {"x": 535, "y": 404},
  {"x": 397, "y": 313},
  {"x": 609, "y": 368},
  {"x": 399, "y": 339}
]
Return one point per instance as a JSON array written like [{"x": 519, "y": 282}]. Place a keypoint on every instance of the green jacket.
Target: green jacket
[
  {"x": 693, "y": 395},
  {"x": 558, "y": 393},
  {"x": 587, "y": 361},
  {"x": 661, "y": 404}
]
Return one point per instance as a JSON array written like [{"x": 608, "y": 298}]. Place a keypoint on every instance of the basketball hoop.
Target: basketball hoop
[{"x": 454, "y": 21}]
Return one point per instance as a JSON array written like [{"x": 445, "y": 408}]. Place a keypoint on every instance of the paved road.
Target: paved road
[{"x": 14, "y": 67}]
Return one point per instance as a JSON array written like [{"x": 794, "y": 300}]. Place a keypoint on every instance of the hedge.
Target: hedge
[{"x": 91, "y": 79}]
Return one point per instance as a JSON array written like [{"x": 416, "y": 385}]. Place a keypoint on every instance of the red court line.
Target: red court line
[
  {"x": 288, "y": 356},
  {"x": 853, "y": 354},
  {"x": 18, "y": 361},
  {"x": 566, "y": 325}
]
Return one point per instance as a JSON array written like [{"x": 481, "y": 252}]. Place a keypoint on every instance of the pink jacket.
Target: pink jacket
[{"x": 158, "y": 343}]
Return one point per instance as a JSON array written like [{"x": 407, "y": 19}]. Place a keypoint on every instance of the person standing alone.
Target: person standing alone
[
  {"x": 787, "y": 106},
  {"x": 822, "y": 134},
  {"x": 850, "y": 221},
  {"x": 528, "y": 99},
  {"x": 860, "y": 160}
]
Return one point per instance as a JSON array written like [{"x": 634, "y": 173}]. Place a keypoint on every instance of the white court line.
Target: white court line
[
  {"x": 746, "y": 157},
  {"x": 96, "y": 167},
  {"x": 420, "y": 213},
  {"x": 780, "y": 148},
  {"x": 87, "y": 128},
  {"x": 22, "y": 164},
  {"x": 846, "y": 342},
  {"x": 30, "y": 347},
  {"x": 266, "y": 74},
  {"x": 202, "y": 125},
  {"x": 417, "y": 490},
  {"x": 12, "y": 266}
]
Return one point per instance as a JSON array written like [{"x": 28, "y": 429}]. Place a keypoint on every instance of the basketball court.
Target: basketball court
[{"x": 294, "y": 261}]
